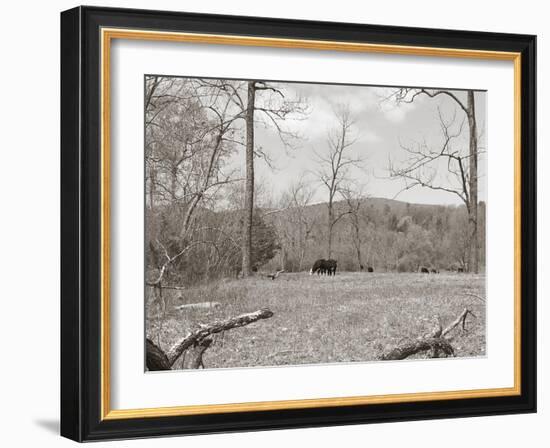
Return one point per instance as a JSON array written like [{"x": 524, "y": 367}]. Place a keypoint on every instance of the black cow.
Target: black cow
[
  {"x": 424, "y": 270},
  {"x": 370, "y": 269},
  {"x": 318, "y": 267},
  {"x": 331, "y": 266},
  {"x": 324, "y": 267},
  {"x": 434, "y": 271}
]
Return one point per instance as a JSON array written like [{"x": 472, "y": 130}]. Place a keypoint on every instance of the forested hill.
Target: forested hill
[
  {"x": 389, "y": 235},
  {"x": 381, "y": 206}
]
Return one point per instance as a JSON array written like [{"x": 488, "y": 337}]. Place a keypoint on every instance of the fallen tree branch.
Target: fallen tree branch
[
  {"x": 458, "y": 320},
  {"x": 197, "y": 352},
  {"x": 198, "y": 305},
  {"x": 157, "y": 359},
  {"x": 435, "y": 342},
  {"x": 274, "y": 275},
  {"x": 475, "y": 296},
  {"x": 413, "y": 346},
  {"x": 177, "y": 288}
]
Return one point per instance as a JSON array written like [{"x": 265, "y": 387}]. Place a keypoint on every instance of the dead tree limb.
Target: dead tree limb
[
  {"x": 196, "y": 353},
  {"x": 157, "y": 359},
  {"x": 275, "y": 275},
  {"x": 240, "y": 321},
  {"x": 177, "y": 288},
  {"x": 475, "y": 296},
  {"x": 413, "y": 346},
  {"x": 458, "y": 320},
  {"x": 434, "y": 342}
]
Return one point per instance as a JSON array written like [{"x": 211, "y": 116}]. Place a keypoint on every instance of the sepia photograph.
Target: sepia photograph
[{"x": 293, "y": 223}]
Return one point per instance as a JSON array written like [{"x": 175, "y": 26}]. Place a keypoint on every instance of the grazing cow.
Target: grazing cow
[
  {"x": 424, "y": 270},
  {"x": 318, "y": 267},
  {"x": 331, "y": 266},
  {"x": 434, "y": 271},
  {"x": 370, "y": 269},
  {"x": 460, "y": 270},
  {"x": 324, "y": 267}
]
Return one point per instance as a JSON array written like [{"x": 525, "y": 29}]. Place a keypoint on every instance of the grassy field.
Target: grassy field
[{"x": 347, "y": 318}]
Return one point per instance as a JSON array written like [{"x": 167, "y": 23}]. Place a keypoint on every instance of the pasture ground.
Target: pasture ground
[{"x": 351, "y": 317}]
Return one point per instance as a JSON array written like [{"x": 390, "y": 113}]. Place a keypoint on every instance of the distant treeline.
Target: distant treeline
[
  {"x": 390, "y": 236},
  {"x": 387, "y": 235}
]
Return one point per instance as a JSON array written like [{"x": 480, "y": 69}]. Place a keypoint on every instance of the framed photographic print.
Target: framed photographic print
[{"x": 273, "y": 223}]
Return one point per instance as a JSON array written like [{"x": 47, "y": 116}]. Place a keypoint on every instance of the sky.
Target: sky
[{"x": 381, "y": 128}]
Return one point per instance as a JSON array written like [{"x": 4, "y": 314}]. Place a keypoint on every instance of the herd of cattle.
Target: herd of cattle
[{"x": 328, "y": 267}]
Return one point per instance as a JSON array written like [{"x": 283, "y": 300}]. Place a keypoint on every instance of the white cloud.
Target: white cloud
[
  {"x": 396, "y": 113},
  {"x": 369, "y": 136}
]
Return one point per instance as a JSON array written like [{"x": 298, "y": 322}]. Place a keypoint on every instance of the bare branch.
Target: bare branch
[
  {"x": 420, "y": 169},
  {"x": 157, "y": 359},
  {"x": 216, "y": 327}
]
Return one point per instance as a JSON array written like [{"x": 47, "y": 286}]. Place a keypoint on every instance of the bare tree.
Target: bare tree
[
  {"x": 158, "y": 96},
  {"x": 354, "y": 201},
  {"x": 463, "y": 165},
  {"x": 257, "y": 102},
  {"x": 249, "y": 181},
  {"x": 335, "y": 164},
  {"x": 295, "y": 225},
  {"x": 189, "y": 135},
  {"x": 273, "y": 107}
]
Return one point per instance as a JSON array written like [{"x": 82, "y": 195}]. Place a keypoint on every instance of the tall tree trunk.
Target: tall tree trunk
[
  {"x": 152, "y": 183},
  {"x": 249, "y": 182},
  {"x": 304, "y": 247},
  {"x": 358, "y": 246},
  {"x": 329, "y": 227},
  {"x": 152, "y": 222},
  {"x": 173, "y": 181},
  {"x": 473, "y": 264}
]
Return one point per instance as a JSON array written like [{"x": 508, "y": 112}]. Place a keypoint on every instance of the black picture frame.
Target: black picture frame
[{"x": 81, "y": 224}]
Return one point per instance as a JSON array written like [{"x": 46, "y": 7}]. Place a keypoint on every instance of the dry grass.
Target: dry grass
[{"x": 347, "y": 318}]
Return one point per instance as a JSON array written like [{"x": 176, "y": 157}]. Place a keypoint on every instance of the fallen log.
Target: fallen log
[
  {"x": 157, "y": 359},
  {"x": 412, "y": 346},
  {"x": 198, "y": 305},
  {"x": 434, "y": 342}
]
